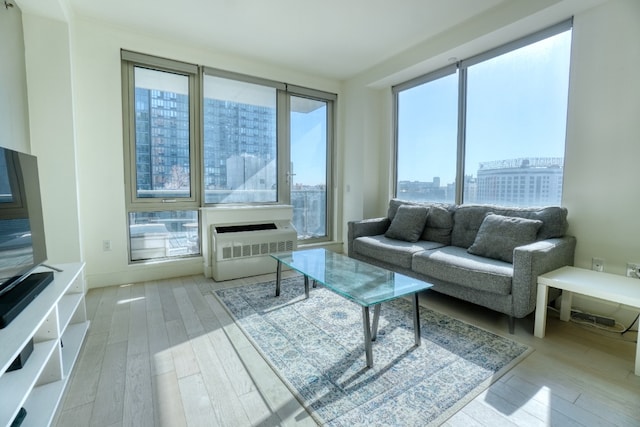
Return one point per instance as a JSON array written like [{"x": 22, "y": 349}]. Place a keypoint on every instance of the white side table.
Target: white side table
[{"x": 610, "y": 287}]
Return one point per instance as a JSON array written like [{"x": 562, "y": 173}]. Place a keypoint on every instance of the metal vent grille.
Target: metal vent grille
[{"x": 256, "y": 249}]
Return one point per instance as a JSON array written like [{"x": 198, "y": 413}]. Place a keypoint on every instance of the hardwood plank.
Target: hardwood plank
[
  {"x": 86, "y": 375},
  {"x": 138, "y": 396},
  {"x": 192, "y": 324},
  {"x": 195, "y": 399},
  {"x": 77, "y": 416},
  {"x": 109, "y": 401},
  {"x": 557, "y": 404},
  {"x": 138, "y": 339},
  {"x": 624, "y": 414},
  {"x": 160, "y": 355},
  {"x": 168, "y": 410},
  {"x": 181, "y": 351},
  {"x": 233, "y": 366},
  {"x": 92, "y": 303},
  {"x": 169, "y": 307},
  {"x": 540, "y": 403},
  {"x": 218, "y": 385},
  {"x": 461, "y": 419},
  {"x": 119, "y": 329}
]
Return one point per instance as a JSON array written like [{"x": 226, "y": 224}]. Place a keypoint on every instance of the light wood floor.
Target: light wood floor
[{"x": 166, "y": 353}]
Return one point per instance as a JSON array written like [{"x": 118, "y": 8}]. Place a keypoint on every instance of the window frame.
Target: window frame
[
  {"x": 330, "y": 100},
  {"x": 462, "y": 66},
  {"x": 131, "y": 60}
]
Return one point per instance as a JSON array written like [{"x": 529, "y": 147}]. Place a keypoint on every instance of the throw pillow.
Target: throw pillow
[
  {"x": 439, "y": 225},
  {"x": 408, "y": 223},
  {"x": 499, "y": 235}
]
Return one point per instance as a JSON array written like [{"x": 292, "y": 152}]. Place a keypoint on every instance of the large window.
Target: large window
[
  {"x": 162, "y": 202},
  {"x": 196, "y": 136},
  {"x": 490, "y": 129}
]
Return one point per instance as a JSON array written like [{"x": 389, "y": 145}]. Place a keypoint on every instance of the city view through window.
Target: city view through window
[
  {"x": 515, "y": 122},
  {"x": 240, "y": 149}
]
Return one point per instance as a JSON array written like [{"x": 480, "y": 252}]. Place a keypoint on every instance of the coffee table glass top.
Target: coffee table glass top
[{"x": 363, "y": 283}]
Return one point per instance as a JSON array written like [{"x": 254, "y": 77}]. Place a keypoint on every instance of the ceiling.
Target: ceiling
[
  {"x": 337, "y": 39},
  {"x": 331, "y": 38}
]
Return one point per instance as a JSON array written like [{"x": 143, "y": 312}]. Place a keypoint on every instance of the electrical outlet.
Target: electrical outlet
[
  {"x": 597, "y": 264},
  {"x": 633, "y": 270},
  {"x": 106, "y": 245}
]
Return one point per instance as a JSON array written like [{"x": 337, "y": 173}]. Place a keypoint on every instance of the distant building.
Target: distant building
[
  {"x": 239, "y": 143},
  {"x": 521, "y": 182}
]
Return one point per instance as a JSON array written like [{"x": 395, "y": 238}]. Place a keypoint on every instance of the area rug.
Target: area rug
[{"x": 316, "y": 347}]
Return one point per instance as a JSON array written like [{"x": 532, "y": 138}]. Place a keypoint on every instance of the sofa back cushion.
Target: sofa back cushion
[
  {"x": 439, "y": 219},
  {"x": 468, "y": 218},
  {"x": 439, "y": 225},
  {"x": 499, "y": 235},
  {"x": 408, "y": 223}
]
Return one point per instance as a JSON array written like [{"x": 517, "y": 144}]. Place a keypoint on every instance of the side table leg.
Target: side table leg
[
  {"x": 541, "y": 311},
  {"x": 565, "y": 305},
  {"x": 306, "y": 286},
  {"x": 416, "y": 319},
  {"x": 367, "y": 336},
  {"x": 278, "y": 276}
]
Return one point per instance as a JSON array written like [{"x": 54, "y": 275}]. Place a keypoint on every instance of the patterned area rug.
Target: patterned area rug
[{"x": 316, "y": 346}]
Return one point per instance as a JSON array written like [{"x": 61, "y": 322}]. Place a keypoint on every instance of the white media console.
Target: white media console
[{"x": 57, "y": 322}]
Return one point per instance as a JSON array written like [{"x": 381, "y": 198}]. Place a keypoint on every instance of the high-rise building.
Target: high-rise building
[
  {"x": 239, "y": 143},
  {"x": 521, "y": 182}
]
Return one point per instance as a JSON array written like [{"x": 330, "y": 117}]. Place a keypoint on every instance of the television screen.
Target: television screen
[{"x": 22, "y": 241}]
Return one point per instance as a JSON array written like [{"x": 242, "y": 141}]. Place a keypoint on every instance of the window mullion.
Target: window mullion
[{"x": 462, "y": 121}]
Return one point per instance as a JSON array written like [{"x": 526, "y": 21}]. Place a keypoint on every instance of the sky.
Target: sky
[
  {"x": 516, "y": 107},
  {"x": 309, "y": 147}
]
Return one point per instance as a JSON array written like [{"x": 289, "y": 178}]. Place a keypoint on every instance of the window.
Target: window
[
  {"x": 490, "y": 129},
  {"x": 239, "y": 137},
  {"x": 256, "y": 142},
  {"x": 309, "y": 173},
  {"x": 160, "y": 114}
]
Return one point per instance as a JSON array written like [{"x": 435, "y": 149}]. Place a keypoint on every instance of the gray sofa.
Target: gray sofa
[{"x": 488, "y": 255}]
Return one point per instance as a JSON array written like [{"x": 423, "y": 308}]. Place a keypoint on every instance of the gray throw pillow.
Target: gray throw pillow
[
  {"x": 408, "y": 223},
  {"x": 499, "y": 235},
  {"x": 439, "y": 225}
]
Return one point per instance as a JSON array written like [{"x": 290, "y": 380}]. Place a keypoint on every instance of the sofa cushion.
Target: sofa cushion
[
  {"x": 499, "y": 235},
  {"x": 554, "y": 219},
  {"x": 439, "y": 225},
  {"x": 396, "y": 252},
  {"x": 408, "y": 223},
  {"x": 468, "y": 218},
  {"x": 455, "y": 265}
]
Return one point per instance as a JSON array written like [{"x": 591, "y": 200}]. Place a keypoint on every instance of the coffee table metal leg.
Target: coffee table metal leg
[
  {"x": 306, "y": 286},
  {"x": 376, "y": 317},
  {"x": 416, "y": 318},
  {"x": 278, "y": 276},
  {"x": 367, "y": 336}
]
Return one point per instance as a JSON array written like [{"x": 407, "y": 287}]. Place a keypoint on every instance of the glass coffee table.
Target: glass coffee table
[{"x": 362, "y": 283}]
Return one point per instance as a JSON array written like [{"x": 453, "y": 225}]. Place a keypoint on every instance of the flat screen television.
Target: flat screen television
[{"x": 22, "y": 238}]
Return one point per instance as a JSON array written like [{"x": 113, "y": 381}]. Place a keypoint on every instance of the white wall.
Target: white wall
[
  {"x": 603, "y": 141},
  {"x": 603, "y": 135},
  {"x": 14, "y": 114},
  {"x": 50, "y": 92}
]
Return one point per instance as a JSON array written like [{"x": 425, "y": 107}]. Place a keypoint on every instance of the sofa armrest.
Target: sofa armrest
[
  {"x": 365, "y": 227},
  {"x": 532, "y": 260}
]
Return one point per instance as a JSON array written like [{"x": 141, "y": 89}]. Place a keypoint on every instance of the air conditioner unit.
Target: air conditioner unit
[{"x": 242, "y": 249}]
